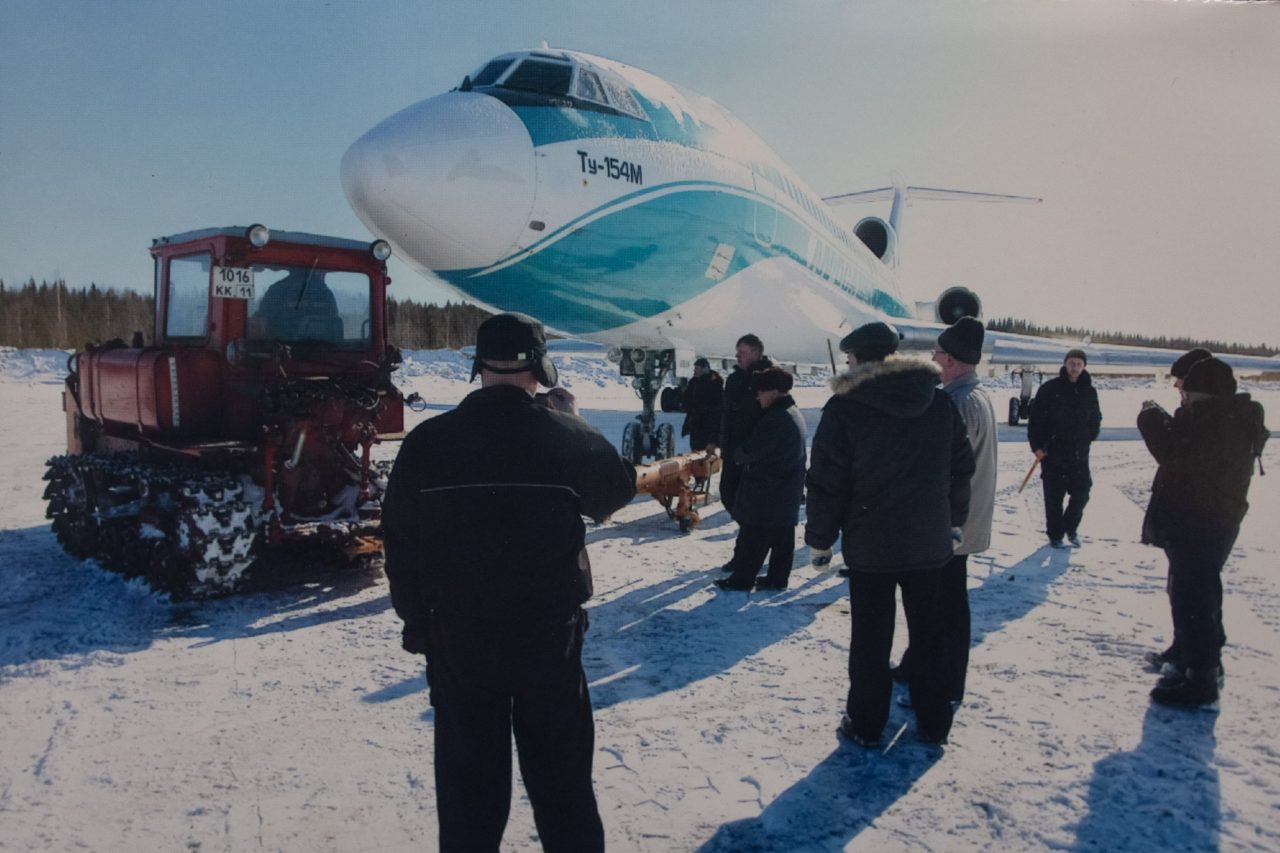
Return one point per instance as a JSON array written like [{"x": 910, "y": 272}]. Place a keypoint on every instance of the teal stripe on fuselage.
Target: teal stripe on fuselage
[{"x": 600, "y": 276}]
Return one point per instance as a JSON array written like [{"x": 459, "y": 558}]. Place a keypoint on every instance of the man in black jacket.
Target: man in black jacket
[
  {"x": 1065, "y": 420},
  {"x": 1206, "y": 452},
  {"x": 889, "y": 470},
  {"x": 701, "y": 404},
  {"x": 487, "y": 565},
  {"x": 768, "y": 505},
  {"x": 740, "y": 414}
]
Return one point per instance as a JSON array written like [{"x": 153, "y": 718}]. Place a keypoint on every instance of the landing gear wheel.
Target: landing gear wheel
[
  {"x": 666, "y": 444},
  {"x": 633, "y": 443},
  {"x": 1015, "y": 406}
]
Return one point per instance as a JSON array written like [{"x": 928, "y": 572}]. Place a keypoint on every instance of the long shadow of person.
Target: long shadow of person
[
  {"x": 1162, "y": 795},
  {"x": 827, "y": 809},
  {"x": 649, "y": 640},
  {"x": 1008, "y": 595}
]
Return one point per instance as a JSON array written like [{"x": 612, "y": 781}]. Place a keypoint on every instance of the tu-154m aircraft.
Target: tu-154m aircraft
[{"x": 619, "y": 208}]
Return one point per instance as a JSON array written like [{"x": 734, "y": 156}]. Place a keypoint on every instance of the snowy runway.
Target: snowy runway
[{"x": 291, "y": 720}]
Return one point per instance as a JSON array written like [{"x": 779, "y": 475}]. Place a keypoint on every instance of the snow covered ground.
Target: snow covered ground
[{"x": 291, "y": 719}]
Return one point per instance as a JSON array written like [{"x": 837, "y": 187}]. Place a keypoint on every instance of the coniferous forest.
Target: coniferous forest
[
  {"x": 38, "y": 316},
  {"x": 44, "y": 315}
]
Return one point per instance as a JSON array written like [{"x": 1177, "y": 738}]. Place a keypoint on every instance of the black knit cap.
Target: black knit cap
[
  {"x": 963, "y": 340},
  {"x": 1186, "y": 360},
  {"x": 514, "y": 337},
  {"x": 771, "y": 379},
  {"x": 1211, "y": 376},
  {"x": 872, "y": 341},
  {"x": 702, "y": 362}
]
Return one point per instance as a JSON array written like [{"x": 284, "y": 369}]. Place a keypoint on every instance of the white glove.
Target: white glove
[
  {"x": 821, "y": 559},
  {"x": 957, "y": 538}
]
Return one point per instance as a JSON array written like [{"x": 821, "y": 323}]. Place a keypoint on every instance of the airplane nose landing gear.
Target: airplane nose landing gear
[{"x": 644, "y": 437}]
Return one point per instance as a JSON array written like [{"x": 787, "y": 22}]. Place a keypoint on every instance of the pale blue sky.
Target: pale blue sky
[{"x": 1150, "y": 128}]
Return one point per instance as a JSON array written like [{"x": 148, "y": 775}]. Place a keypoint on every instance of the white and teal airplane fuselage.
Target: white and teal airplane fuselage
[
  {"x": 619, "y": 208},
  {"x": 614, "y": 207}
]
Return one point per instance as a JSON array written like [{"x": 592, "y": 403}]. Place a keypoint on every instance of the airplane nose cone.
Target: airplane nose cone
[{"x": 449, "y": 182}]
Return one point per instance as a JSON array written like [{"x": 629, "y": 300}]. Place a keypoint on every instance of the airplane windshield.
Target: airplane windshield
[
  {"x": 545, "y": 78},
  {"x": 492, "y": 70}
]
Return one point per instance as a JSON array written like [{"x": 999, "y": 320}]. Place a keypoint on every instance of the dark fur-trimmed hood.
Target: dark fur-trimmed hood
[{"x": 902, "y": 386}]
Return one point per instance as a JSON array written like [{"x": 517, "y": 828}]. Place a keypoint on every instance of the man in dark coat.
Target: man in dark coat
[
  {"x": 1065, "y": 420},
  {"x": 701, "y": 404},
  {"x": 487, "y": 566},
  {"x": 740, "y": 413},
  {"x": 1206, "y": 452},
  {"x": 768, "y": 500},
  {"x": 889, "y": 471},
  {"x": 1171, "y": 656}
]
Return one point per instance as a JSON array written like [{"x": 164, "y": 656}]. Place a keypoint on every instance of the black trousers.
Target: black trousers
[
  {"x": 1195, "y": 596},
  {"x": 730, "y": 476},
  {"x": 873, "y": 608},
  {"x": 488, "y": 681},
  {"x": 953, "y": 613},
  {"x": 1059, "y": 483},
  {"x": 750, "y": 548}
]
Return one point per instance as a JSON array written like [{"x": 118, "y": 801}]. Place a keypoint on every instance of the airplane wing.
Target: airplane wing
[{"x": 1010, "y": 348}]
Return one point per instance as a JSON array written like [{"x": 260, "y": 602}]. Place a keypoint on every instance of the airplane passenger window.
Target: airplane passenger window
[
  {"x": 588, "y": 87},
  {"x": 492, "y": 70},
  {"x": 547, "y": 78}
]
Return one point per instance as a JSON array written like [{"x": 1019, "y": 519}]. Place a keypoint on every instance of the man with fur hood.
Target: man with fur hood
[
  {"x": 1206, "y": 452},
  {"x": 889, "y": 471}
]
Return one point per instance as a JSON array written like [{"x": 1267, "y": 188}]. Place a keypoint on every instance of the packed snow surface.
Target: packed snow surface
[{"x": 290, "y": 719}]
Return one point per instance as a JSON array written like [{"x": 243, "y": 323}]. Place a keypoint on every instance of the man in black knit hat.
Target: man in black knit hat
[
  {"x": 889, "y": 473},
  {"x": 1065, "y": 420}
]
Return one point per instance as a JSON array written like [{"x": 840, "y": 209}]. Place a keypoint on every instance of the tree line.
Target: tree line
[
  {"x": 54, "y": 316},
  {"x": 1023, "y": 327},
  {"x": 44, "y": 315}
]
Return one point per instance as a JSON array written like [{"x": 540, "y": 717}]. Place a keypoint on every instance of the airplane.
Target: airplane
[{"x": 619, "y": 208}]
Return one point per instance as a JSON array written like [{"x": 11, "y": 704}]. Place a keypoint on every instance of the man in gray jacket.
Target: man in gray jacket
[{"x": 958, "y": 352}]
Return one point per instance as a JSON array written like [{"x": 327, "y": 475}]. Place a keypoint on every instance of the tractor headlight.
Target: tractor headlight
[
  {"x": 380, "y": 249},
  {"x": 259, "y": 235}
]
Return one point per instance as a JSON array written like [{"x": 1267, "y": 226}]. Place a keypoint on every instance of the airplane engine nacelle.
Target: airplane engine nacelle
[
  {"x": 951, "y": 305},
  {"x": 878, "y": 236}
]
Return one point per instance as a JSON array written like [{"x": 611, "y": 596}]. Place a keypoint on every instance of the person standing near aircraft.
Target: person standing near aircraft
[
  {"x": 740, "y": 414},
  {"x": 889, "y": 471},
  {"x": 1065, "y": 420},
  {"x": 487, "y": 567},
  {"x": 768, "y": 502},
  {"x": 701, "y": 404},
  {"x": 957, "y": 355},
  {"x": 1178, "y": 370},
  {"x": 1206, "y": 453}
]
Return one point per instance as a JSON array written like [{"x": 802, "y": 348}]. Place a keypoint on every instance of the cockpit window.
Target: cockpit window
[
  {"x": 621, "y": 98},
  {"x": 546, "y": 78},
  {"x": 492, "y": 70},
  {"x": 588, "y": 87}
]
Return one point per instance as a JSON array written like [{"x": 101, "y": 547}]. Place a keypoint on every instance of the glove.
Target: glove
[
  {"x": 821, "y": 559},
  {"x": 957, "y": 538}
]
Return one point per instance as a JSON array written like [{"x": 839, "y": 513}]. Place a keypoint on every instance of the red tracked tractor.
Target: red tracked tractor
[{"x": 242, "y": 434}]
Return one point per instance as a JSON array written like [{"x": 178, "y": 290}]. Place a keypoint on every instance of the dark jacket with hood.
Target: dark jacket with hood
[
  {"x": 772, "y": 461},
  {"x": 1065, "y": 420},
  {"x": 889, "y": 468},
  {"x": 741, "y": 411},
  {"x": 1206, "y": 451},
  {"x": 483, "y": 513}
]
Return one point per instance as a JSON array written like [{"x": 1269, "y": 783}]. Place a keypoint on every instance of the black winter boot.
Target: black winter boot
[{"x": 1198, "y": 689}]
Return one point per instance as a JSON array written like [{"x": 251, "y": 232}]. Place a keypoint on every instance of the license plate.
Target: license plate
[{"x": 233, "y": 282}]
